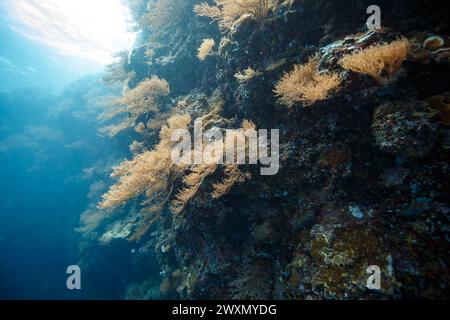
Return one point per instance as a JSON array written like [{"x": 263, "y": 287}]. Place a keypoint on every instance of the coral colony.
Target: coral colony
[{"x": 241, "y": 146}]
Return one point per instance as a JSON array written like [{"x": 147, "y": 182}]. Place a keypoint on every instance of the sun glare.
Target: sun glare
[{"x": 86, "y": 29}]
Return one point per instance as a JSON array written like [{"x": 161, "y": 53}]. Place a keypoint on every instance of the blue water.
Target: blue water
[
  {"x": 24, "y": 63},
  {"x": 45, "y": 143},
  {"x": 50, "y": 156}
]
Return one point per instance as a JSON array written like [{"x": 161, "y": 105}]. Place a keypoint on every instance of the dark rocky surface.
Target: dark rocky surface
[{"x": 364, "y": 177}]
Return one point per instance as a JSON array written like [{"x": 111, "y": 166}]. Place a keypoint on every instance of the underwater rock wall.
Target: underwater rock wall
[{"x": 364, "y": 168}]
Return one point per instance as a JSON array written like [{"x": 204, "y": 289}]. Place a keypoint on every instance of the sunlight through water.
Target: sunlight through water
[{"x": 91, "y": 30}]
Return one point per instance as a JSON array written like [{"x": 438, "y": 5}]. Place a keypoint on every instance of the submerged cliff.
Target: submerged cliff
[{"x": 363, "y": 117}]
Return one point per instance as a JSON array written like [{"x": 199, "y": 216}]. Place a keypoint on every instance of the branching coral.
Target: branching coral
[
  {"x": 205, "y": 49},
  {"x": 137, "y": 147},
  {"x": 149, "y": 172},
  {"x": 143, "y": 99},
  {"x": 91, "y": 218},
  {"x": 248, "y": 75},
  {"x": 114, "y": 129},
  {"x": 163, "y": 14},
  {"x": 157, "y": 121},
  {"x": 381, "y": 61},
  {"x": 232, "y": 176},
  {"x": 192, "y": 183},
  {"x": 153, "y": 173},
  {"x": 231, "y": 172},
  {"x": 227, "y": 12},
  {"x": 305, "y": 84},
  {"x": 198, "y": 173}
]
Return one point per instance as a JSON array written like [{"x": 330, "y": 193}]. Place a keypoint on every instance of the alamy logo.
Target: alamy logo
[
  {"x": 374, "y": 280},
  {"x": 74, "y": 280},
  {"x": 240, "y": 146},
  {"x": 374, "y": 21}
]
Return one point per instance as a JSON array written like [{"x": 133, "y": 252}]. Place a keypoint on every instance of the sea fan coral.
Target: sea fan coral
[
  {"x": 163, "y": 14},
  {"x": 232, "y": 176},
  {"x": 153, "y": 174},
  {"x": 198, "y": 173},
  {"x": 205, "y": 49},
  {"x": 227, "y": 12},
  {"x": 381, "y": 61},
  {"x": 305, "y": 84},
  {"x": 91, "y": 218},
  {"x": 143, "y": 99},
  {"x": 148, "y": 172},
  {"x": 192, "y": 183}
]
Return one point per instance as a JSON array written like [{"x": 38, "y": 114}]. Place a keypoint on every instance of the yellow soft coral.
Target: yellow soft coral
[
  {"x": 142, "y": 99},
  {"x": 247, "y": 75},
  {"x": 232, "y": 176},
  {"x": 192, "y": 183},
  {"x": 305, "y": 84},
  {"x": 148, "y": 172},
  {"x": 153, "y": 174},
  {"x": 205, "y": 49},
  {"x": 381, "y": 61},
  {"x": 227, "y": 12}
]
